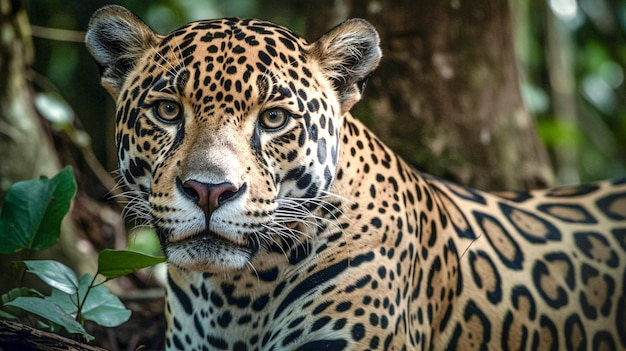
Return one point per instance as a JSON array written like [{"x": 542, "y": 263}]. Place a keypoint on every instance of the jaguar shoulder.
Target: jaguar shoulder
[{"x": 288, "y": 225}]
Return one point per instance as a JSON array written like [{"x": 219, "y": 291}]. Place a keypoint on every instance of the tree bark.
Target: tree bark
[
  {"x": 446, "y": 96},
  {"x": 19, "y": 337},
  {"x": 25, "y": 149}
]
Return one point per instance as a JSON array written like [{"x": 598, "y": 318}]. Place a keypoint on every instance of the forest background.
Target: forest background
[{"x": 492, "y": 94}]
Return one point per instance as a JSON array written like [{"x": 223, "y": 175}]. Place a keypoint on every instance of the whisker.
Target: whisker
[
  {"x": 253, "y": 269},
  {"x": 303, "y": 211},
  {"x": 181, "y": 63},
  {"x": 173, "y": 68}
]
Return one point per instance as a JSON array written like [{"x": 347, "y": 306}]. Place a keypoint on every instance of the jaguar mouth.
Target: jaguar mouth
[{"x": 215, "y": 239}]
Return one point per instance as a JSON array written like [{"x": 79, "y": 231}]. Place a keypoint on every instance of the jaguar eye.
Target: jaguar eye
[
  {"x": 168, "y": 111},
  {"x": 273, "y": 119}
]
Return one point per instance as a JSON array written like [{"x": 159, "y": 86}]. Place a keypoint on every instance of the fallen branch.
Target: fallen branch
[{"x": 19, "y": 337}]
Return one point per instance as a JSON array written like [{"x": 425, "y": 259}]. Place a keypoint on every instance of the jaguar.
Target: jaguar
[{"x": 288, "y": 225}]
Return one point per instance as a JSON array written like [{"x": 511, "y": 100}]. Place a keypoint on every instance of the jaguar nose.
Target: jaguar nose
[{"x": 210, "y": 196}]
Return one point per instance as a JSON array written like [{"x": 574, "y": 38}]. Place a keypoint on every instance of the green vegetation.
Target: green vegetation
[
  {"x": 573, "y": 61},
  {"x": 31, "y": 220}
]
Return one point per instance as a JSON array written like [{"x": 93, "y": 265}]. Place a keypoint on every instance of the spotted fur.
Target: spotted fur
[{"x": 288, "y": 225}]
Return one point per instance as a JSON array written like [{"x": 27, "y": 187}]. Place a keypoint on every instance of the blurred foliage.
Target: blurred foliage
[
  {"x": 569, "y": 50},
  {"x": 573, "y": 59}
]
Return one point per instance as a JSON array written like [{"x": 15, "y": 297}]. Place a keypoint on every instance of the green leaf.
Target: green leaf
[
  {"x": 50, "y": 311},
  {"x": 67, "y": 302},
  {"x": 55, "y": 274},
  {"x": 8, "y": 312},
  {"x": 17, "y": 292},
  {"x": 50, "y": 326},
  {"x": 7, "y": 315},
  {"x": 105, "y": 308},
  {"x": 101, "y": 306},
  {"x": 32, "y": 212},
  {"x": 117, "y": 263}
]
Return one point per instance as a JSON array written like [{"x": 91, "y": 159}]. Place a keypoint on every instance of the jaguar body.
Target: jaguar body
[{"x": 288, "y": 225}]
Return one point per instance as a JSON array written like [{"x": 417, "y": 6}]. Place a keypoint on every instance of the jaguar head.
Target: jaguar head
[{"x": 228, "y": 130}]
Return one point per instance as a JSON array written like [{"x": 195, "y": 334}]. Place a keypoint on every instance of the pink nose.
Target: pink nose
[{"x": 210, "y": 196}]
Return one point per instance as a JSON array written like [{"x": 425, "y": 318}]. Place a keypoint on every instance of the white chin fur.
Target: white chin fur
[{"x": 213, "y": 262}]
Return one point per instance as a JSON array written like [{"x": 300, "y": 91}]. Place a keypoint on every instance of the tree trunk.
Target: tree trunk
[
  {"x": 25, "y": 149},
  {"x": 446, "y": 95}
]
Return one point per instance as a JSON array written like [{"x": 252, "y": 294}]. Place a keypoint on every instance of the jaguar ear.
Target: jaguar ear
[
  {"x": 116, "y": 39},
  {"x": 348, "y": 54}
]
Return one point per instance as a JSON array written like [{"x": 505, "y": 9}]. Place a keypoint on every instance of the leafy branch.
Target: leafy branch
[{"x": 31, "y": 220}]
